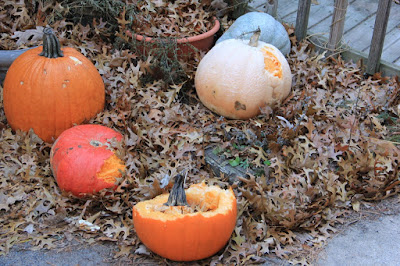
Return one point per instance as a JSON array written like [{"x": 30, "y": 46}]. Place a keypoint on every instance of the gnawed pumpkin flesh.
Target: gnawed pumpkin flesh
[
  {"x": 201, "y": 199},
  {"x": 111, "y": 170},
  {"x": 272, "y": 64}
]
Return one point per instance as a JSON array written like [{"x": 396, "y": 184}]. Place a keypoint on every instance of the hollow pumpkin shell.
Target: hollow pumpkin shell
[
  {"x": 235, "y": 79},
  {"x": 191, "y": 236},
  {"x": 83, "y": 161}
]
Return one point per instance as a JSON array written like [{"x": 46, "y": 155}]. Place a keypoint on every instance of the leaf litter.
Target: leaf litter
[{"x": 311, "y": 160}]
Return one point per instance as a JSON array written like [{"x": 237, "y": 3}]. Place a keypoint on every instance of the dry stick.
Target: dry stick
[
  {"x": 304, "y": 113},
  {"x": 254, "y": 38},
  {"x": 233, "y": 6},
  {"x": 320, "y": 43},
  {"x": 354, "y": 108},
  {"x": 242, "y": 35}
]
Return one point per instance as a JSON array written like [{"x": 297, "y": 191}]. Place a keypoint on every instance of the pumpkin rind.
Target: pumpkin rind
[
  {"x": 192, "y": 236},
  {"x": 82, "y": 161},
  {"x": 235, "y": 79},
  {"x": 50, "y": 95}
]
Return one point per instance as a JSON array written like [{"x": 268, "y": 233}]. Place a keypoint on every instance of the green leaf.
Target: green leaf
[
  {"x": 234, "y": 162},
  {"x": 267, "y": 162},
  {"x": 245, "y": 163}
]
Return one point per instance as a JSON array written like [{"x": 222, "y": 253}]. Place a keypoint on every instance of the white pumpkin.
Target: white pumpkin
[{"x": 238, "y": 77}]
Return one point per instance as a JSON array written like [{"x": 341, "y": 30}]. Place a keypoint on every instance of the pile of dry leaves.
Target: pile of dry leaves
[
  {"x": 314, "y": 157},
  {"x": 174, "y": 18}
]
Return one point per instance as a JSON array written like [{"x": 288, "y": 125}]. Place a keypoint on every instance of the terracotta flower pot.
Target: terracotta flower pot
[{"x": 185, "y": 46}]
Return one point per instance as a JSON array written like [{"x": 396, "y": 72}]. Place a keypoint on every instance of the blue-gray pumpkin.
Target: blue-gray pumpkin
[{"x": 272, "y": 31}]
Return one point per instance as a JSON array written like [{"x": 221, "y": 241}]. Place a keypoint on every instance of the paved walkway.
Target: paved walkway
[{"x": 365, "y": 243}]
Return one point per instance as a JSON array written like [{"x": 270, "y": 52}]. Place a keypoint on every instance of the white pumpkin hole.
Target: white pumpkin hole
[{"x": 272, "y": 63}]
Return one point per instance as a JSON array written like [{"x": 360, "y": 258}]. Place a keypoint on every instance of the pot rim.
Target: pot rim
[
  {"x": 204, "y": 35},
  {"x": 7, "y": 57}
]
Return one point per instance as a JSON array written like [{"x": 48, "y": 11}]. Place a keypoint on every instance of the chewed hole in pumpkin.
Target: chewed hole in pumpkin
[
  {"x": 111, "y": 170},
  {"x": 272, "y": 64}
]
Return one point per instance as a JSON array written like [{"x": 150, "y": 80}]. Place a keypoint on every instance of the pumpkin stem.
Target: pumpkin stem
[
  {"x": 177, "y": 196},
  {"x": 51, "y": 45},
  {"x": 254, "y": 38}
]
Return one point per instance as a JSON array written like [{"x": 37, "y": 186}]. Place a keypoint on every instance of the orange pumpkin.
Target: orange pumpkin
[
  {"x": 49, "y": 89},
  {"x": 186, "y": 230},
  {"x": 83, "y": 160},
  {"x": 237, "y": 77}
]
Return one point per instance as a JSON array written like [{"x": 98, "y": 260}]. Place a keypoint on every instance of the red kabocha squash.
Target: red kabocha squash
[
  {"x": 238, "y": 77},
  {"x": 189, "y": 224},
  {"x": 83, "y": 159},
  {"x": 49, "y": 89}
]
